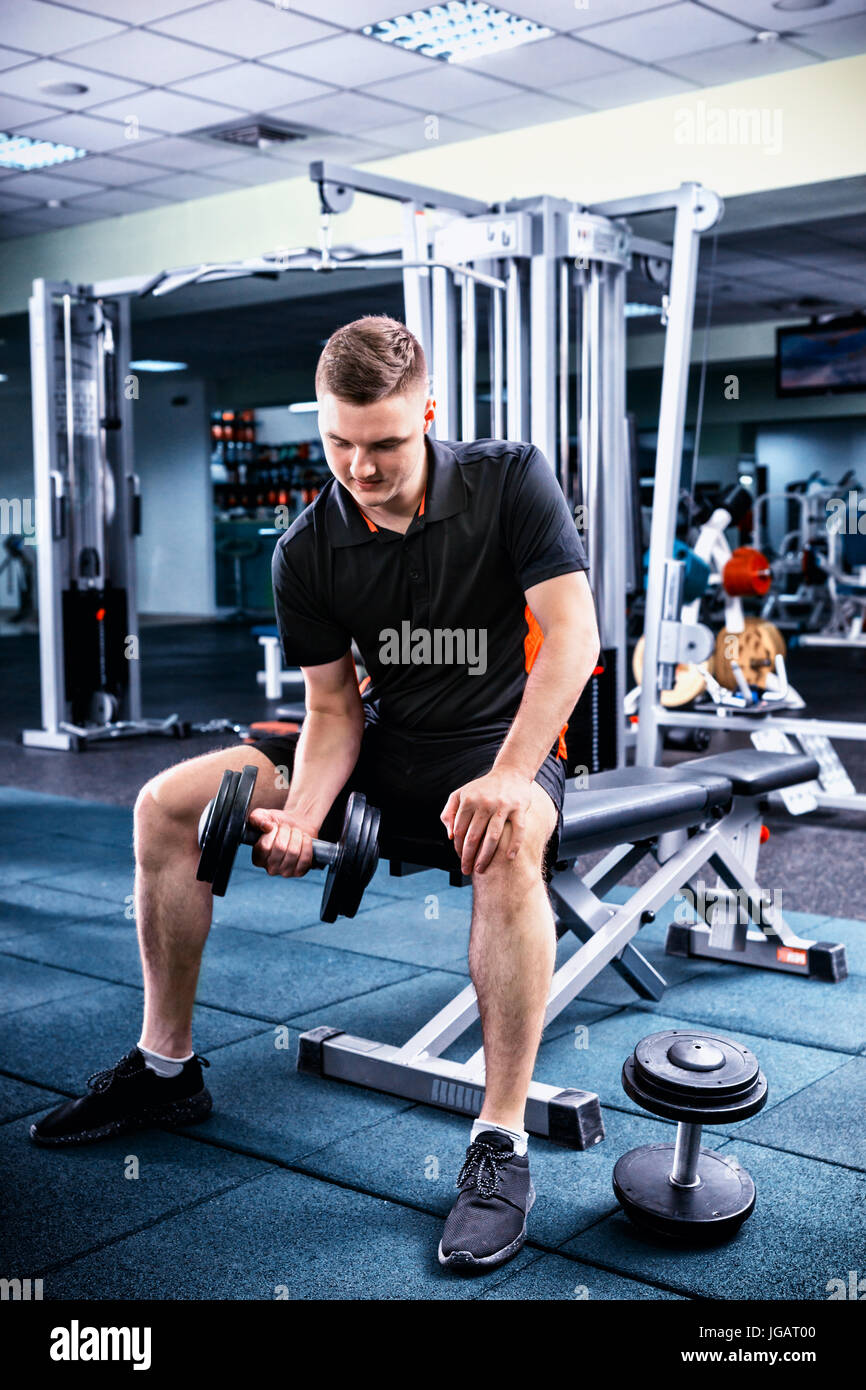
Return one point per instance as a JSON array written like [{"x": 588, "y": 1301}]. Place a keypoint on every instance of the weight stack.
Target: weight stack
[{"x": 594, "y": 726}]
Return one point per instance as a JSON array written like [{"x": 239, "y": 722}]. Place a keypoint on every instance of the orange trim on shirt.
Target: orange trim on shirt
[
  {"x": 370, "y": 524},
  {"x": 531, "y": 647}
]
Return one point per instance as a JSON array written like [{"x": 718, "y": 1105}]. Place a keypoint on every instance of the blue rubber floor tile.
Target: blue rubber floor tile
[
  {"x": 284, "y": 1236},
  {"x": 24, "y": 983},
  {"x": 34, "y": 856},
  {"x": 552, "y": 1277},
  {"x": 274, "y": 906},
  {"x": 399, "y": 930},
  {"x": 108, "y": 874},
  {"x": 280, "y": 979},
  {"x": 417, "y": 1155},
  {"x": 767, "y": 1003},
  {"x": 17, "y": 1098},
  {"x": 593, "y": 1059},
  {"x": 32, "y": 907},
  {"x": 390, "y": 1014},
  {"x": 60, "y": 1203},
  {"x": 803, "y": 1234},
  {"x": 94, "y": 821},
  {"x": 264, "y": 1106},
  {"x": 105, "y": 948},
  {"x": 826, "y": 1119},
  {"x": 60, "y": 1043},
  {"x": 418, "y": 886}
]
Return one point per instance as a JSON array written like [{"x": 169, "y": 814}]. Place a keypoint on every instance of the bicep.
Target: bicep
[
  {"x": 332, "y": 688},
  {"x": 565, "y": 601}
]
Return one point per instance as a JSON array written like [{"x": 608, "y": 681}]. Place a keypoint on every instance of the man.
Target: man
[{"x": 457, "y": 570}]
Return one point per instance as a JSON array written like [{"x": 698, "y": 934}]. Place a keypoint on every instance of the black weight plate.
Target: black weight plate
[
  {"x": 237, "y": 808},
  {"x": 658, "y": 1070},
  {"x": 211, "y": 839},
  {"x": 713, "y": 1211},
  {"x": 694, "y": 1109},
  {"x": 354, "y": 862}
]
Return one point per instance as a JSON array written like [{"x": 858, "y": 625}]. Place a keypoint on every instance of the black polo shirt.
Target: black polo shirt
[{"x": 439, "y": 614}]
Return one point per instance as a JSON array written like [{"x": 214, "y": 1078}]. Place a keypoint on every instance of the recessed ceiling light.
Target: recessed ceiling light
[
  {"x": 54, "y": 203},
  {"x": 767, "y": 36},
  {"x": 457, "y": 31},
  {"x": 20, "y": 152},
  {"x": 303, "y": 407},
  {"x": 156, "y": 364},
  {"x": 3, "y": 376},
  {"x": 799, "y": 4},
  {"x": 64, "y": 89}
]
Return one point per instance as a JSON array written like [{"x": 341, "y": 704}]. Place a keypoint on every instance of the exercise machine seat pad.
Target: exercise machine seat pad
[
  {"x": 752, "y": 772},
  {"x": 606, "y": 812}
]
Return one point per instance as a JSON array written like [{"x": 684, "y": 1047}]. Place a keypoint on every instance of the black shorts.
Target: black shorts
[{"x": 411, "y": 778}]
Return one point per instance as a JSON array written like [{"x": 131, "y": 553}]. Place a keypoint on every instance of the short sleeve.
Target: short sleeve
[
  {"x": 309, "y": 635},
  {"x": 538, "y": 529}
]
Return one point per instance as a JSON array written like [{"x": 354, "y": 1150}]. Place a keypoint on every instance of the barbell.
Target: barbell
[{"x": 350, "y": 862}]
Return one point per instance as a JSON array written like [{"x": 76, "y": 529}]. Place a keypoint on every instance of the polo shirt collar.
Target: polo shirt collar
[{"x": 445, "y": 496}]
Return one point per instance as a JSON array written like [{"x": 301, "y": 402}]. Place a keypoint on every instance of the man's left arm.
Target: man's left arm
[{"x": 477, "y": 813}]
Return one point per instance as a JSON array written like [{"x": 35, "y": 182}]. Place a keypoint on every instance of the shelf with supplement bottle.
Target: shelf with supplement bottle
[{"x": 266, "y": 482}]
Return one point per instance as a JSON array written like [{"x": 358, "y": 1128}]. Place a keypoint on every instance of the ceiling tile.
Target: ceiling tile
[
  {"x": 591, "y": 12},
  {"x": 244, "y": 28},
  {"x": 445, "y": 88},
  {"x": 764, "y": 15},
  {"x": 258, "y": 168},
  {"x": 342, "y": 112},
  {"x": 145, "y": 10},
  {"x": 85, "y": 132},
  {"x": 352, "y": 14},
  {"x": 185, "y": 154},
  {"x": 10, "y": 58},
  {"x": 841, "y": 39},
  {"x": 15, "y": 113},
  {"x": 423, "y": 131},
  {"x": 171, "y": 112},
  {"x": 347, "y": 151},
  {"x": 251, "y": 87},
  {"x": 350, "y": 60},
  {"x": 10, "y": 203},
  {"x": 116, "y": 201},
  {"x": 548, "y": 62},
  {"x": 42, "y": 28},
  {"x": 623, "y": 87},
  {"x": 42, "y": 186},
  {"x": 523, "y": 109},
  {"x": 25, "y": 82},
  {"x": 668, "y": 32},
  {"x": 107, "y": 171},
  {"x": 46, "y": 219},
  {"x": 186, "y": 186},
  {"x": 740, "y": 60},
  {"x": 146, "y": 57},
  {"x": 13, "y": 226}
]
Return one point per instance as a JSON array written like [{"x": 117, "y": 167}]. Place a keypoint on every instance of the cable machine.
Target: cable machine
[{"x": 520, "y": 308}]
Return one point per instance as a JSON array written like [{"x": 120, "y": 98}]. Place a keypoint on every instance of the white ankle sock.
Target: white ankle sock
[
  {"x": 164, "y": 1066},
  {"x": 519, "y": 1138}
]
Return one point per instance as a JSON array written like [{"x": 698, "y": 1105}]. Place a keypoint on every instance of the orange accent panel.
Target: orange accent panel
[{"x": 531, "y": 647}]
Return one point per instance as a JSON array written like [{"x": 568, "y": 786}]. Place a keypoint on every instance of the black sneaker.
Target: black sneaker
[
  {"x": 487, "y": 1224},
  {"x": 127, "y": 1096}
]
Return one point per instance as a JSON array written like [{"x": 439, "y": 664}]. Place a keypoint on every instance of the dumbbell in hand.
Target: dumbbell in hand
[{"x": 350, "y": 862}]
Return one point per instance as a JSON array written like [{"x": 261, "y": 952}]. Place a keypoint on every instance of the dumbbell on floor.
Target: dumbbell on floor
[
  {"x": 350, "y": 862},
  {"x": 681, "y": 1191}
]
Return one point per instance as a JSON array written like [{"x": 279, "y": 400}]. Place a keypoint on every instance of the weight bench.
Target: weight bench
[{"x": 702, "y": 812}]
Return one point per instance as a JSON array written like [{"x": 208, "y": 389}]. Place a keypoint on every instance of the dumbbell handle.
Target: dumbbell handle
[
  {"x": 324, "y": 852},
  {"x": 687, "y": 1151}
]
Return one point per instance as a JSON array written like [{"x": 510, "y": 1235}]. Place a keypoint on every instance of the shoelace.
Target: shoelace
[
  {"x": 127, "y": 1066},
  {"x": 483, "y": 1162}
]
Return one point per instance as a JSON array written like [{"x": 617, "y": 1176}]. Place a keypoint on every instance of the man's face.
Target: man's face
[{"x": 376, "y": 451}]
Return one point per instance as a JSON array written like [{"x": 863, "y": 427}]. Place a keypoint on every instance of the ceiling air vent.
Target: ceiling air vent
[{"x": 256, "y": 135}]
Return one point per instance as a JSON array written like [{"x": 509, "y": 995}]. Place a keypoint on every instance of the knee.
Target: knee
[
  {"x": 164, "y": 821},
  {"x": 506, "y": 881}
]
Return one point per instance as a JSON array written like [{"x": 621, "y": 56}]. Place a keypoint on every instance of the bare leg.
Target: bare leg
[
  {"x": 511, "y": 957},
  {"x": 172, "y": 909}
]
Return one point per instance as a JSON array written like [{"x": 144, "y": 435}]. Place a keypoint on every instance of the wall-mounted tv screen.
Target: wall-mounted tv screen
[{"x": 821, "y": 358}]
